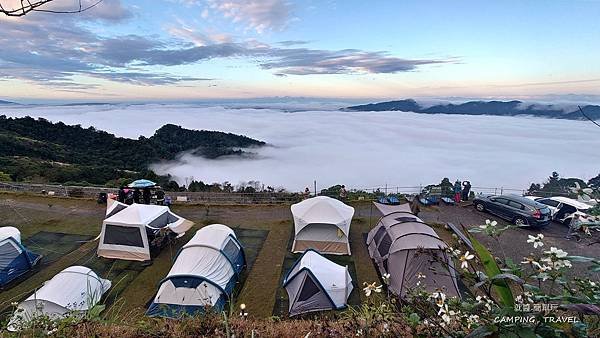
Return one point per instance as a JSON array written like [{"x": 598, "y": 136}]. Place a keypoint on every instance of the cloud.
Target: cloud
[
  {"x": 359, "y": 149},
  {"x": 259, "y": 15},
  {"x": 288, "y": 43},
  {"x": 52, "y": 50}
]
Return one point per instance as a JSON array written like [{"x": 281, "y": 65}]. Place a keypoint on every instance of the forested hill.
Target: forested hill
[
  {"x": 497, "y": 108},
  {"x": 40, "y": 150}
]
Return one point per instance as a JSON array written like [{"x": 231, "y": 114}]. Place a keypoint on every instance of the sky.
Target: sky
[{"x": 185, "y": 50}]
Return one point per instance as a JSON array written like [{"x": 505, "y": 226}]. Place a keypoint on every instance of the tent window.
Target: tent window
[
  {"x": 379, "y": 234},
  {"x": 128, "y": 236},
  {"x": 116, "y": 209},
  {"x": 231, "y": 250},
  {"x": 309, "y": 289},
  {"x": 385, "y": 244},
  {"x": 8, "y": 252},
  {"x": 161, "y": 221}
]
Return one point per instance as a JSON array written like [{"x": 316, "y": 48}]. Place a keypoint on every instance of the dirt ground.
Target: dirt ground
[{"x": 33, "y": 214}]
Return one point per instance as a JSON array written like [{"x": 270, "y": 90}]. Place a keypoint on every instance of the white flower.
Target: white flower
[
  {"x": 371, "y": 288},
  {"x": 488, "y": 223},
  {"x": 472, "y": 319},
  {"x": 420, "y": 275},
  {"x": 242, "y": 306},
  {"x": 385, "y": 277},
  {"x": 464, "y": 260},
  {"x": 439, "y": 297},
  {"x": 558, "y": 253},
  {"x": 443, "y": 309},
  {"x": 536, "y": 240},
  {"x": 455, "y": 252},
  {"x": 446, "y": 318}
]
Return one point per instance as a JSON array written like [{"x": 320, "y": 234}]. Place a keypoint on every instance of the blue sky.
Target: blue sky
[{"x": 209, "y": 49}]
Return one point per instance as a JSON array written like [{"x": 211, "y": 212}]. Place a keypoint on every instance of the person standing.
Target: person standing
[
  {"x": 136, "y": 195},
  {"x": 574, "y": 226},
  {"x": 457, "y": 189},
  {"x": 466, "y": 190},
  {"x": 146, "y": 195},
  {"x": 306, "y": 193},
  {"x": 343, "y": 193}
]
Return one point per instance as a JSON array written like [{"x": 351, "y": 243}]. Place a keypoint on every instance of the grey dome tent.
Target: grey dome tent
[
  {"x": 315, "y": 283},
  {"x": 403, "y": 246}
]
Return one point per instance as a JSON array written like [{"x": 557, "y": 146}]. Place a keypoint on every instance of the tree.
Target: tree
[
  {"x": 4, "y": 177},
  {"x": 23, "y": 7}
]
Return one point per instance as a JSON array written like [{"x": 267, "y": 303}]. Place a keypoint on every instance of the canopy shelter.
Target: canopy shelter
[
  {"x": 73, "y": 291},
  {"x": 127, "y": 233},
  {"x": 15, "y": 259},
  {"x": 315, "y": 284},
  {"x": 322, "y": 223},
  {"x": 141, "y": 184},
  {"x": 404, "y": 247},
  {"x": 203, "y": 275}
]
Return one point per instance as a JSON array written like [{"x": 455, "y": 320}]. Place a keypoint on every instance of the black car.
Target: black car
[{"x": 519, "y": 210}]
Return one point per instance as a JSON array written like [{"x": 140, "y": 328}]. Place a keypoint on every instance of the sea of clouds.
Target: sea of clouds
[{"x": 359, "y": 149}]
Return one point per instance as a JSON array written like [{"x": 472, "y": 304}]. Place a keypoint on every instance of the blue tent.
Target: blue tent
[
  {"x": 141, "y": 184},
  {"x": 203, "y": 276},
  {"x": 15, "y": 259}
]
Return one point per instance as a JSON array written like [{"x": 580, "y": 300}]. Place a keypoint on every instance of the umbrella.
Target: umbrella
[{"x": 141, "y": 184}]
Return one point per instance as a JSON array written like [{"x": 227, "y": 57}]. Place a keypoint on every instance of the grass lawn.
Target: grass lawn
[{"x": 48, "y": 223}]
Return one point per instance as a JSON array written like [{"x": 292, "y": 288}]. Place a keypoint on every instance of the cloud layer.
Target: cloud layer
[
  {"x": 359, "y": 149},
  {"x": 53, "y": 49}
]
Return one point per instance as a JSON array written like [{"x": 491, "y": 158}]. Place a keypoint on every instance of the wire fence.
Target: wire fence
[{"x": 262, "y": 197}]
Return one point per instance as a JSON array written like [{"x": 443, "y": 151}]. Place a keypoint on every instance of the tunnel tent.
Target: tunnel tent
[
  {"x": 315, "y": 283},
  {"x": 203, "y": 276},
  {"x": 73, "y": 291},
  {"x": 113, "y": 206},
  {"x": 405, "y": 247},
  {"x": 385, "y": 209},
  {"x": 125, "y": 234},
  {"x": 15, "y": 259},
  {"x": 322, "y": 223}
]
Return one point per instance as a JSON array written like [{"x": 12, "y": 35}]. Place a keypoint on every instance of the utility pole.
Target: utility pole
[{"x": 315, "y": 183}]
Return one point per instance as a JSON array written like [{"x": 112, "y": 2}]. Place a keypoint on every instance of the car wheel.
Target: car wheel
[
  {"x": 520, "y": 221},
  {"x": 479, "y": 207}
]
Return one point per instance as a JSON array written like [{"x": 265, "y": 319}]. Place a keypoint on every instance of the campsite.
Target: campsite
[{"x": 65, "y": 230}]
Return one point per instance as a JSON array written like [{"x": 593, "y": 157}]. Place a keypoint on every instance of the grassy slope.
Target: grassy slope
[{"x": 32, "y": 214}]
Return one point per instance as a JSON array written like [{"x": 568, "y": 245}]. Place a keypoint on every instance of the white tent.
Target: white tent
[
  {"x": 322, "y": 223},
  {"x": 315, "y": 283},
  {"x": 8, "y": 232},
  {"x": 124, "y": 235},
  {"x": 72, "y": 291},
  {"x": 204, "y": 274}
]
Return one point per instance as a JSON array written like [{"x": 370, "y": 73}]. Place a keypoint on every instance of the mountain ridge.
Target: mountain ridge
[{"x": 492, "y": 108}]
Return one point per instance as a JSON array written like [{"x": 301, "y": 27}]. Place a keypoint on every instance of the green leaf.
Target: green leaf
[
  {"x": 492, "y": 270},
  {"x": 580, "y": 259}
]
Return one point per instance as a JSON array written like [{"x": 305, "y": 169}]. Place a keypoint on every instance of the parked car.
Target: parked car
[
  {"x": 519, "y": 210},
  {"x": 562, "y": 209}
]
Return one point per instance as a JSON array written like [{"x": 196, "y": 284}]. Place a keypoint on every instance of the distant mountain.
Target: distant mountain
[
  {"x": 39, "y": 150},
  {"x": 497, "y": 108},
  {"x": 7, "y": 102}
]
